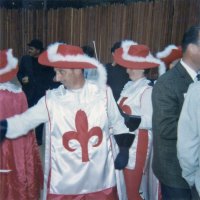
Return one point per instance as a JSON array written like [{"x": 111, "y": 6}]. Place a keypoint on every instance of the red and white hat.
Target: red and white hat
[
  {"x": 60, "y": 55},
  {"x": 170, "y": 54},
  {"x": 8, "y": 65},
  {"x": 136, "y": 56}
]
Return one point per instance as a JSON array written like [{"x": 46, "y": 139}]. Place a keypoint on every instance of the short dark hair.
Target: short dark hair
[
  {"x": 146, "y": 71},
  {"x": 190, "y": 36},
  {"x": 88, "y": 50},
  {"x": 36, "y": 44},
  {"x": 117, "y": 45}
]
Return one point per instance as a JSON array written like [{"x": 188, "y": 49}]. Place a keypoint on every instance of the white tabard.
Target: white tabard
[
  {"x": 78, "y": 157},
  {"x": 78, "y": 145}
]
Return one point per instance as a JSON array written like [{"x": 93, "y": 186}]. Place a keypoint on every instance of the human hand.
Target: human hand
[
  {"x": 122, "y": 158},
  {"x": 124, "y": 142}
]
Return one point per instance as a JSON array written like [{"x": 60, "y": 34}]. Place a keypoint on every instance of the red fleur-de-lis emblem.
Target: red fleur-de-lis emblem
[
  {"x": 125, "y": 108},
  {"x": 82, "y": 135}
]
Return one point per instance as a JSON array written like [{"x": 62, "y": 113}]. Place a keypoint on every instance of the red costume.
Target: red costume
[{"x": 20, "y": 166}]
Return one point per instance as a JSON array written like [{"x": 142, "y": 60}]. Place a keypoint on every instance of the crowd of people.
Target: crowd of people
[{"x": 110, "y": 132}]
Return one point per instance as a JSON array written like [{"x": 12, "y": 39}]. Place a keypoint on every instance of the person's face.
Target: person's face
[
  {"x": 135, "y": 74},
  {"x": 196, "y": 53},
  {"x": 32, "y": 51},
  {"x": 68, "y": 77}
]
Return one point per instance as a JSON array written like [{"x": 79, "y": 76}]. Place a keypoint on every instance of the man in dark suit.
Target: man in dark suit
[
  {"x": 31, "y": 76},
  {"x": 167, "y": 98}
]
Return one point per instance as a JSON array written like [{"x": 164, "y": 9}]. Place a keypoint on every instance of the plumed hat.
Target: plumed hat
[
  {"x": 8, "y": 65},
  {"x": 136, "y": 56},
  {"x": 64, "y": 56},
  {"x": 170, "y": 54}
]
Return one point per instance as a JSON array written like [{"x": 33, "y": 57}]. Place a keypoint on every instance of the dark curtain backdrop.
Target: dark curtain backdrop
[{"x": 156, "y": 24}]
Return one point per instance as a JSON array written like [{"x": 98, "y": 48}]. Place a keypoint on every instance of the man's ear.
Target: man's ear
[{"x": 192, "y": 48}]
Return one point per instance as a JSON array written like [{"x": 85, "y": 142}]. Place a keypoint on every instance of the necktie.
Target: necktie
[{"x": 198, "y": 77}]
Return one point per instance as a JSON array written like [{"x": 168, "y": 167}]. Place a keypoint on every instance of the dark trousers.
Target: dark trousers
[
  {"x": 170, "y": 193},
  {"x": 39, "y": 134}
]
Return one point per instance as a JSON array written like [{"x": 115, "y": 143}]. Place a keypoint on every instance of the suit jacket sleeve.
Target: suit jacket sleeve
[
  {"x": 25, "y": 69},
  {"x": 165, "y": 110}
]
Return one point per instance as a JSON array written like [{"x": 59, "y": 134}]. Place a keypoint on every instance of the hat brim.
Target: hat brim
[
  {"x": 8, "y": 76},
  {"x": 131, "y": 64},
  {"x": 43, "y": 60}
]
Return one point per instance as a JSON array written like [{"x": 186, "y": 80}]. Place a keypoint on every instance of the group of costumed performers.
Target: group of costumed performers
[
  {"x": 78, "y": 117},
  {"x": 95, "y": 148}
]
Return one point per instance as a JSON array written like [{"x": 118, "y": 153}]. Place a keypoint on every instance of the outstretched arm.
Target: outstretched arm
[{"x": 19, "y": 125}]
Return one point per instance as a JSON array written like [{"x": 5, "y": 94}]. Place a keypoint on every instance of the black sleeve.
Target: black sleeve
[{"x": 3, "y": 129}]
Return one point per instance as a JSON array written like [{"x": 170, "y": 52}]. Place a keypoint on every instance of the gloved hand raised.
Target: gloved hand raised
[
  {"x": 133, "y": 122},
  {"x": 122, "y": 158},
  {"x": 124, "y": 142},
  {"x": 3, "y": 129}
]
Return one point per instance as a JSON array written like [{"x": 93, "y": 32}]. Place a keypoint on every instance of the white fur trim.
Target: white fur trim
[
  {"x": 126, "y": 45},
  {"x": 161, "y": 68},
  {"x": 102, "y": 75},
  {"x": 10, "y": 87},
  {"x": 11, "y": 63},
  {"x": 150, "y": 58},
  {"x": 53, "y": 56},
  {"x": 166, "y": 52}
]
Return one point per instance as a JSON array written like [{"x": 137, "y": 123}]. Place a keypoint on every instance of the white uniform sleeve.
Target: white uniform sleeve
[
  {"x": 146, "y": 109},
  {"x": 20, "y": 124},
  {"x": 188, "y": 142},
  {"x": 116, "y": 121}
]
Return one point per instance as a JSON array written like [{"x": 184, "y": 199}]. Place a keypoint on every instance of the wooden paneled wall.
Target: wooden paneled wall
[{"x": 153, "y": 23}]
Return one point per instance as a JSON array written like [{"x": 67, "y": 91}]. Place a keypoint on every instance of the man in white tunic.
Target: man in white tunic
[{"x": 79, "y": 114}]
